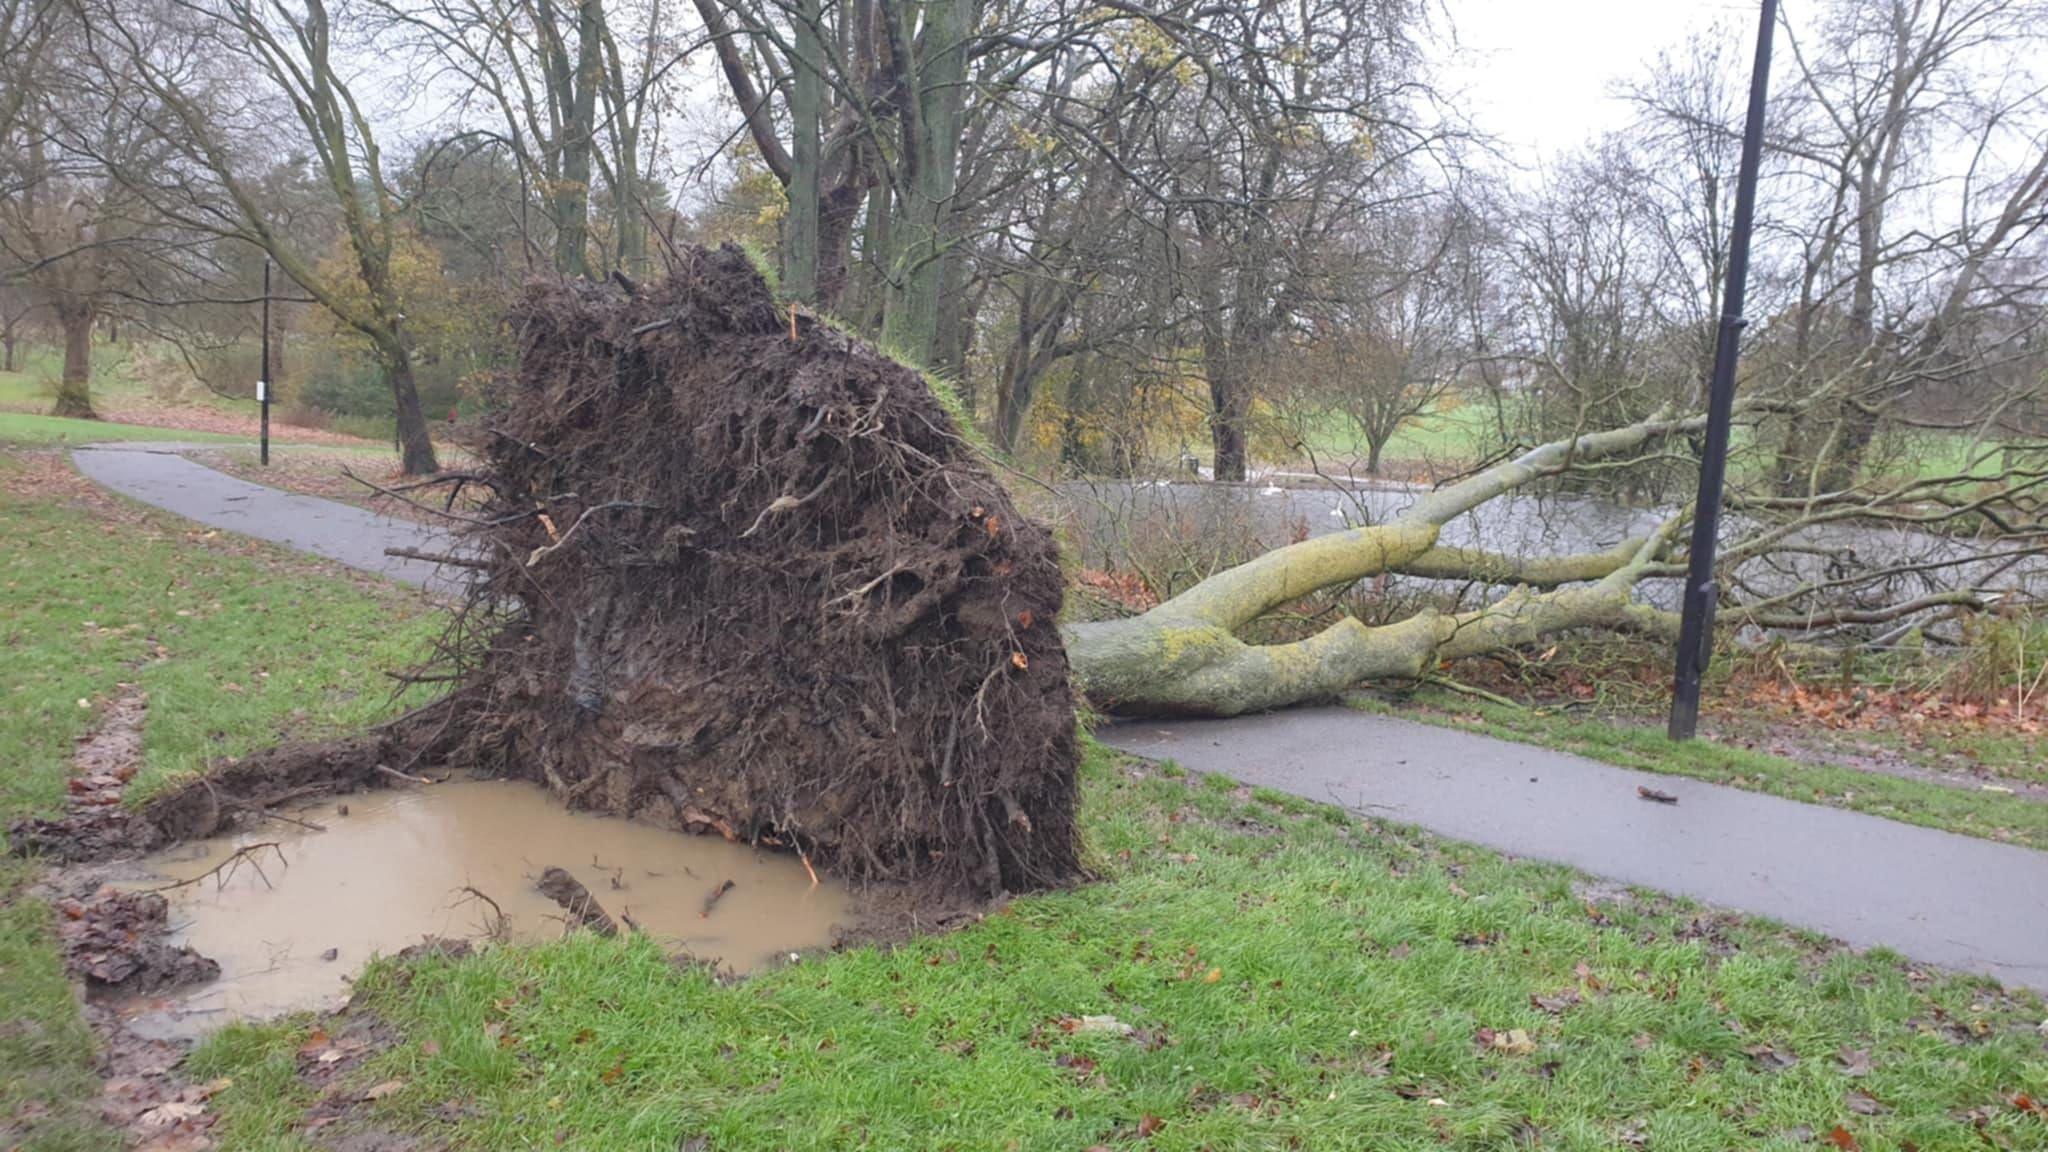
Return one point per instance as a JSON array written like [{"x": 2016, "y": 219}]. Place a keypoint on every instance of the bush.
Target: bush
[{"x": 2005, "y": 661}]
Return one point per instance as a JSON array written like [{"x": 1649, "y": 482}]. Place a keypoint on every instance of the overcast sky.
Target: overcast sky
[{"x": 1539, "y": 75}]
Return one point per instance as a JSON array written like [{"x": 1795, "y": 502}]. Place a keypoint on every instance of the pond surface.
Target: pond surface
[{"x": 290, "y": 925}]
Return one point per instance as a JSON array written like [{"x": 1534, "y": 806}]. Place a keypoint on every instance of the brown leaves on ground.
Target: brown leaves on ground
[{"x": 1511, "y": 1042}]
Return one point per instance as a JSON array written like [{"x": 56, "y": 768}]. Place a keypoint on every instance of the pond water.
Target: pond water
[{"x": 290, "y": 925}]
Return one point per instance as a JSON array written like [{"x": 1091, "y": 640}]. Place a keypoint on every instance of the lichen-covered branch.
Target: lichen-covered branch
[{"x": 1185, "y": 657}]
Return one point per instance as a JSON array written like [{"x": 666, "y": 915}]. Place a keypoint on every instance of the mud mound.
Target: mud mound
[{"x": 744, "y": 575}]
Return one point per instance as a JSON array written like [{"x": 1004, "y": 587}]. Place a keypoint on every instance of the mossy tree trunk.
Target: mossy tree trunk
[{"x": 74, "y": 388}]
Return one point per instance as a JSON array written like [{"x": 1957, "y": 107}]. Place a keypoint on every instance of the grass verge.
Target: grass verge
[
  {"x": 1290, "y": 978},
  {"x": 236, "y": 643},
  {"x": 1642, "y": 745}
]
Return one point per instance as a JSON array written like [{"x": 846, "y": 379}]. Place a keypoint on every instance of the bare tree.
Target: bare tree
[{"x": 228, "y": 80}]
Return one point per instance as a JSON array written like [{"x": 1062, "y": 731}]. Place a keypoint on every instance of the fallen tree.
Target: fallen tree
[{"x": 1187, "y": 655}]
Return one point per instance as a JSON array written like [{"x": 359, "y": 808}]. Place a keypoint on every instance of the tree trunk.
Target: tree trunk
[
  {"x": 1373, "y": 448},
  {"x": 1230, "y": 414},
  {"x": 7, "y": 342},
  {"x": 572, "y": 189},
  {"x": 416, "y": 448},
  {"x": 922, "y": 238},
  {"x": 806, "y": 106},
  {"x": 74, "y": 389}
]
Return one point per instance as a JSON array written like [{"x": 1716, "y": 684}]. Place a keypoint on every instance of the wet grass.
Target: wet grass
[
  {"x": 1636, "y": 742},
  {"x": 237, "y": 644},
  {"x": 1296, "y": 979},
  {"x": 47, "y": 1085}
]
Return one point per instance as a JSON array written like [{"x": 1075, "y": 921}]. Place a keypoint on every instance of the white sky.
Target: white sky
[{"x": 1538, "y": 75}]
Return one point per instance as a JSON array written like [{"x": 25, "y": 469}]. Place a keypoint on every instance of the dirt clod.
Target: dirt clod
[{"x": 116, "y": 943}]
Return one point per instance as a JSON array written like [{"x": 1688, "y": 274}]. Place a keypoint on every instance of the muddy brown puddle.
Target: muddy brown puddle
[{"x": 394, "y": 869}]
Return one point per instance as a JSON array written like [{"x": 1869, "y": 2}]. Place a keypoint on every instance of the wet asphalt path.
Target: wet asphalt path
[
  {"x": 1936, "y": 897},
  {"x": 158, "y": 474}
]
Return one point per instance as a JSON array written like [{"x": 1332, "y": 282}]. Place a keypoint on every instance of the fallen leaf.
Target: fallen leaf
[
  {"x": 1770, "y": 1057},
  {"x": 1864, "y": 1104},
  {"x": 2026, "y": 1103},
  {"x": 430, "y": 1047},
  {"x": 170, "y": 1112},
  {"x": 1654, "y": 794},
  {"x": 1514, "y": 1042},
  {"x": 1098, "y": 1026},
  {"x": 1149, "y": 1125},
  {"x": 1855, "y": 1061},
  {"x": 612, "y": 1074},
  {"x": 1555, "y": 1004},
  {"x": 1020, "y": 661},
  {"x": 1841, "y": 1138},
  {"x": 387, "y": 1088}
]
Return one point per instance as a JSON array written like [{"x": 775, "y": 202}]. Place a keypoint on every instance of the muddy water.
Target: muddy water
[{"x": 394, "y": 870}]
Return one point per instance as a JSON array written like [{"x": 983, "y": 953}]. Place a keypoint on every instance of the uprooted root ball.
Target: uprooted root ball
[{"x": 744, "y": 574}]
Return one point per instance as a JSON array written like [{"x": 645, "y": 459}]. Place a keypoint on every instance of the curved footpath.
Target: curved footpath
[
  {"x": 160, "y": 474},
  {"x": 1936, "y": 897}
]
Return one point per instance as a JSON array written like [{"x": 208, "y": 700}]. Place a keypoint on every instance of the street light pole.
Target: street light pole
[
  {"x": 1696, "y": 632},
  {"x": 263, "y": 373}
]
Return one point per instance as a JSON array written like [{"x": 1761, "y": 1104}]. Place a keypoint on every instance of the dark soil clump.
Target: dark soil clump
[{"x": 116, "y": 943}]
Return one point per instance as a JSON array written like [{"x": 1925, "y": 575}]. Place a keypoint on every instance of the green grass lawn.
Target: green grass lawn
[
  {"x": 237, "y": 645},
  {"x": 1452, "y": 433},
  {"x": 1637, "y": 742},
  {"x": 27, "y": 428},
  {"x": 1296, "y": 977}
]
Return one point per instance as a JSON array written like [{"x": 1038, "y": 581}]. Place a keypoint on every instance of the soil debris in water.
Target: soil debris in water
[{"x": 403, "y": 864}]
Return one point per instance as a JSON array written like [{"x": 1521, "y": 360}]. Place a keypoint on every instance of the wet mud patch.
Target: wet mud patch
[{"x": 292, "y": 908}]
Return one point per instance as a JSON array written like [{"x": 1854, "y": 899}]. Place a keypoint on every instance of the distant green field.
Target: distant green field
[
  {"x": 1452, "y": 432},
  {"x": 29, "y": 428}
]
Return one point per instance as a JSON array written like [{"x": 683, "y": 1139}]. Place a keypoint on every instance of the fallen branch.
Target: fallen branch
[
  {"x": 712, "y": 900},
  {"x": 439, "y": 558},
  {"x": 405, "y": 776}
]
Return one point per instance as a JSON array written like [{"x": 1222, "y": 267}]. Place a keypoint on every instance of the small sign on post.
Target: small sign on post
[{"x": 263, "y": 374}]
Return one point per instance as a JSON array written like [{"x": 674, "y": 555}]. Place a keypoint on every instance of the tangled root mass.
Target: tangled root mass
[{"x": 743, "y": 573}]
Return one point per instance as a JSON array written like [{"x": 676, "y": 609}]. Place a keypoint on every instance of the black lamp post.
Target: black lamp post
[{"x": 1696, "y": 633}]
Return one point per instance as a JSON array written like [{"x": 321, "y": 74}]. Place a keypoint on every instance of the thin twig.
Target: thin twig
[
  {"x": 225, "y": 870},
  {"x": 438, "y": 558}
]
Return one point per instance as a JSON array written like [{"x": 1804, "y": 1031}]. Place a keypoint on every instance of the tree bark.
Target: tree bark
[
  {"x": 416, "y": 448},
  {"x": 924, "y": 215},
  {"x": 806, "y": 108},
  {"x": 74, "y": 388}
]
